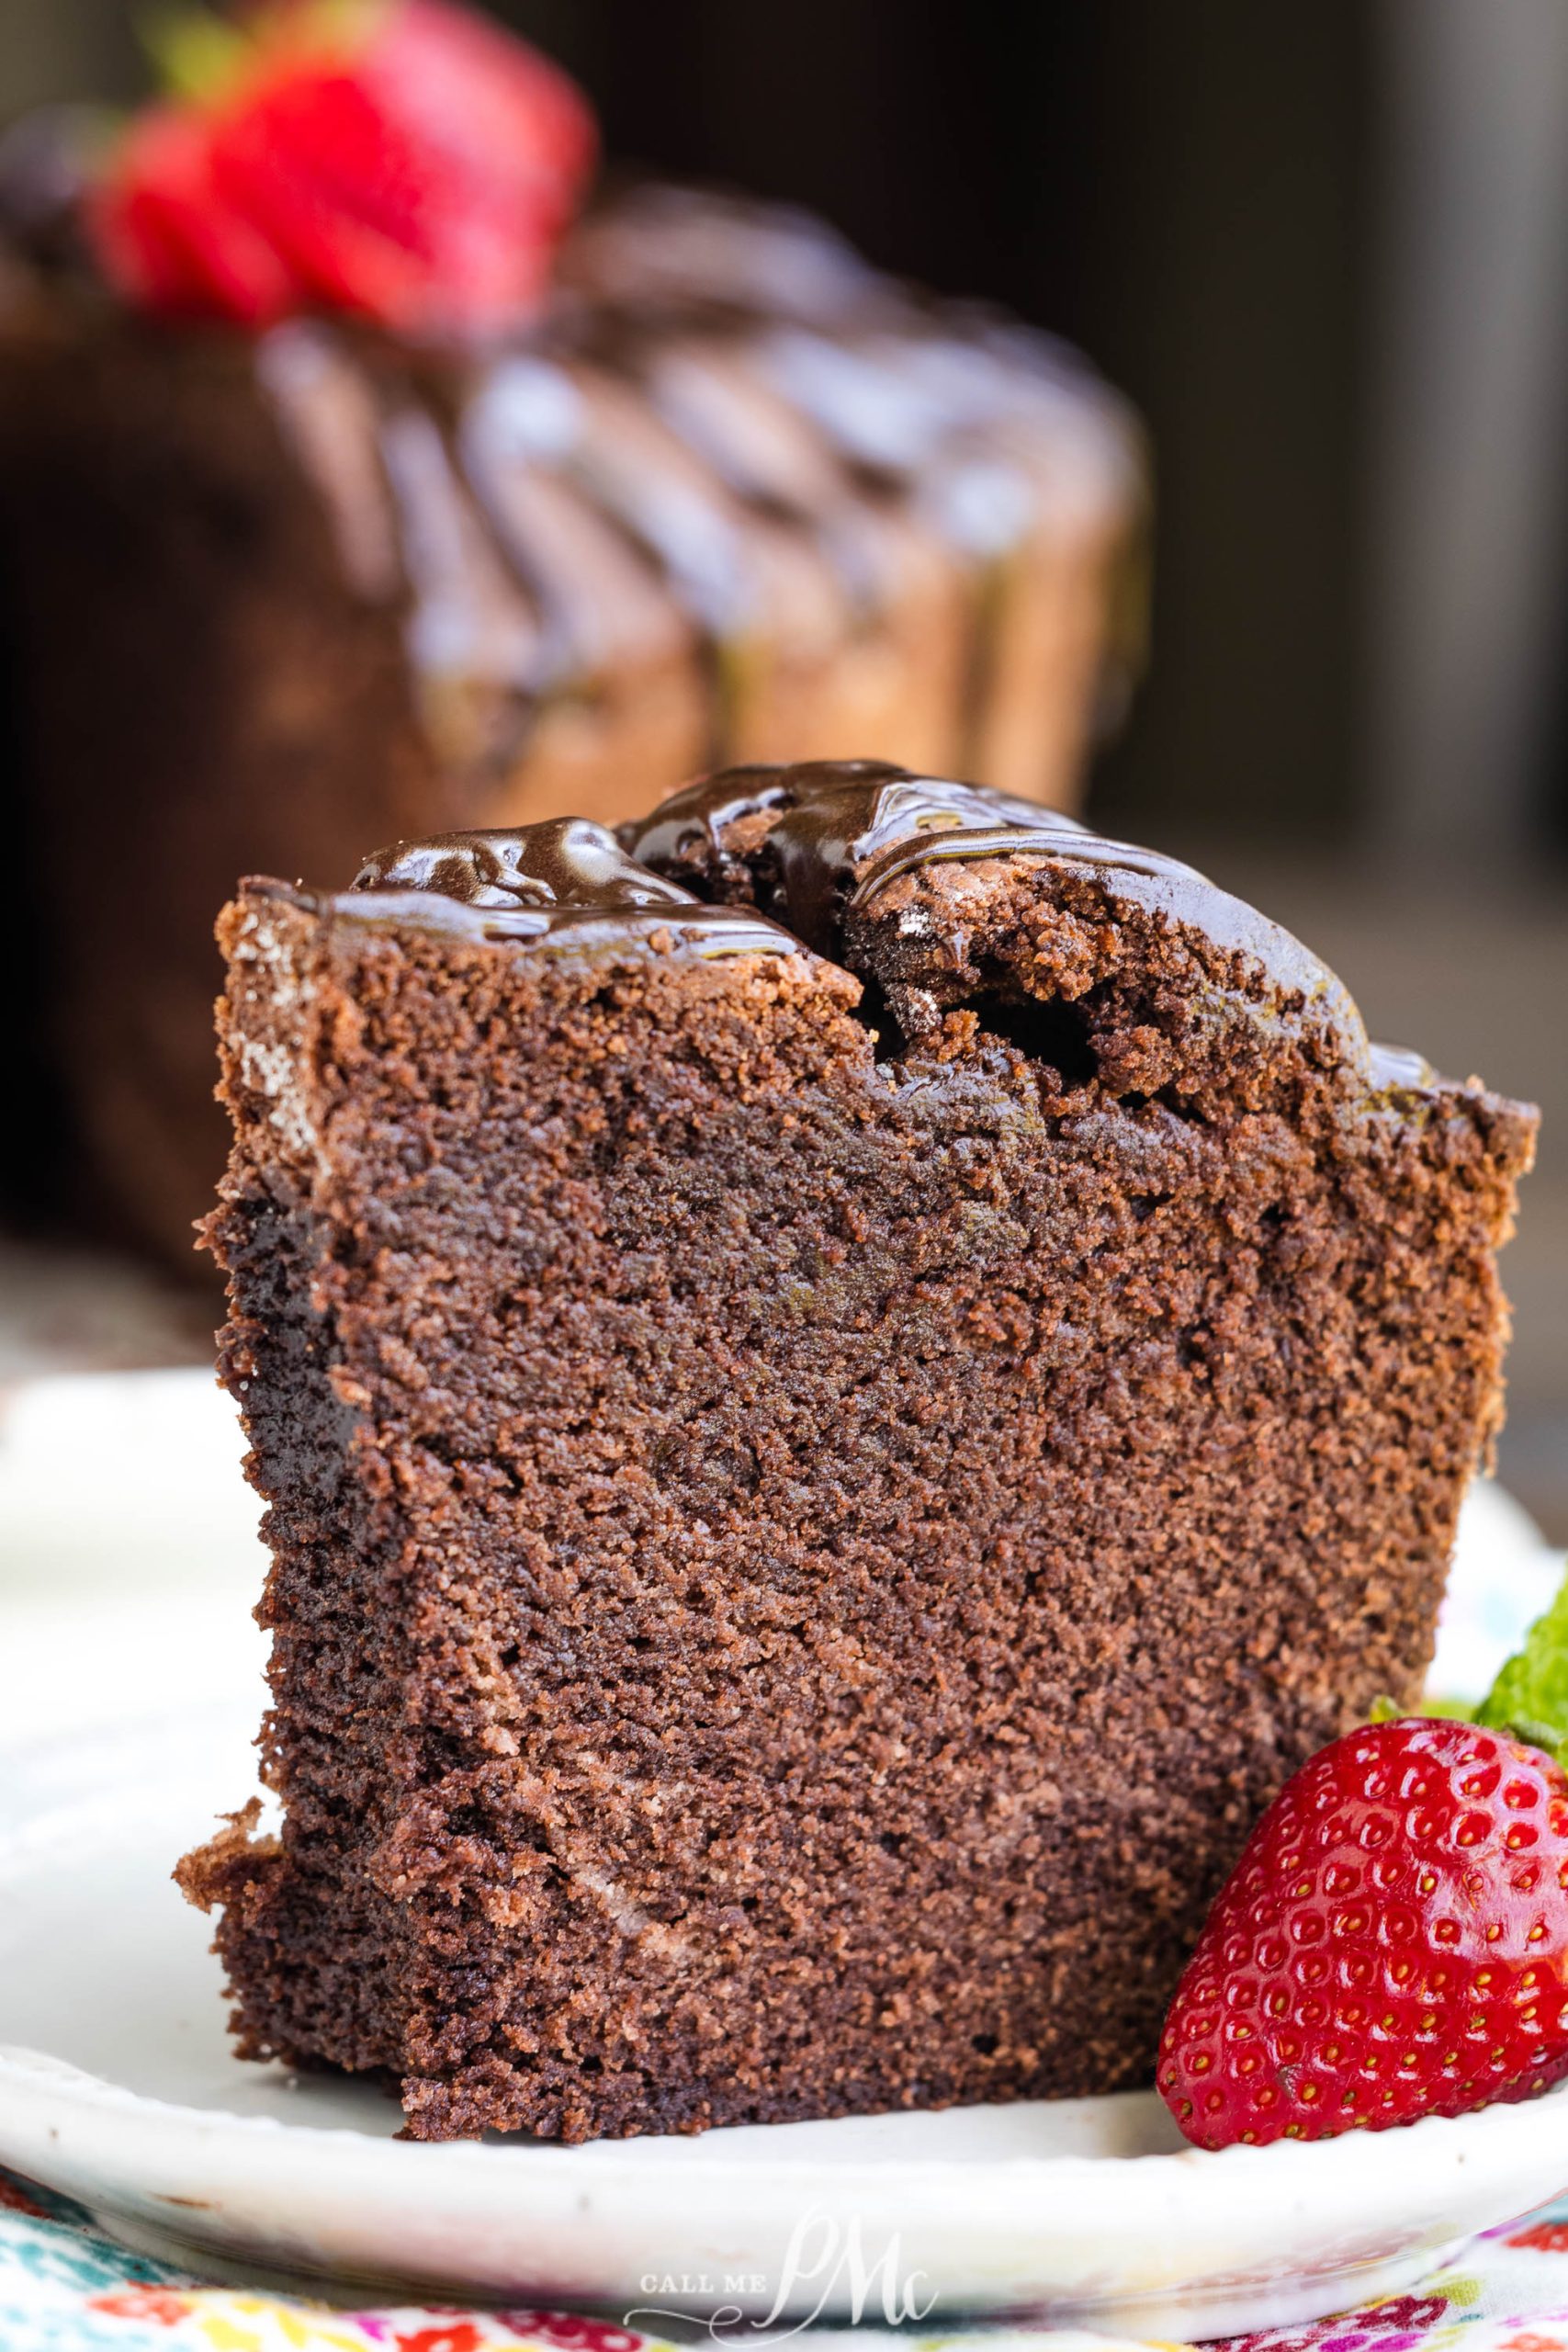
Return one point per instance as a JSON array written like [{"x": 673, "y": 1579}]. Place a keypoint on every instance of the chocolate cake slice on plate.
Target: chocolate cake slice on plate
[{"x": 847, "y": 1382}]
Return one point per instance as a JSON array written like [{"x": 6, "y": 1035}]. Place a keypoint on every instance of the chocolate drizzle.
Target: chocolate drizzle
[
  {"x": 834, "y": 834},
  {"x": 841, "y": 830},
  {"x": 837, "y": 831},
  {"x": 731, "y": 475},
  {"x": 566, "y": 884},
  {"x": 739, "y": 466},
  {"x": 784, "y": 859},
  {"x": 761, "y": 441}
]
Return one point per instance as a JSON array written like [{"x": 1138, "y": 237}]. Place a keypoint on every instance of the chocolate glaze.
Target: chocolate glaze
[
  {"x": 564, "y": 883},
  {"x": 838, "y": 833},
  {"x": 842, "y": 830},
  {"x": 668, "y": 251},
  {"x": 559, "y": 868},
  {"x": 845, "y": 827},
  {"x": 839, "y": 830},
  {"x": 835, "y": 835}
]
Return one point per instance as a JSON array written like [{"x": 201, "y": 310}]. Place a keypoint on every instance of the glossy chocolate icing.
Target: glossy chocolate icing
[
  {"x": 566, "y": 883},
  {"x": 838, "y": 830},
  {"x": 833, "y": 836},
  {"x": 836, "y": 834},
  {"x": 842, "y": 829},
  {"x": 727, "y": 460}
]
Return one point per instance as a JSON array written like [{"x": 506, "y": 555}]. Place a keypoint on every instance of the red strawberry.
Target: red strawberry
[
  {"x": 1392, "y": 1943},
  {"x": 164, "y": 240},
  {"x": 400, "y": 160}
]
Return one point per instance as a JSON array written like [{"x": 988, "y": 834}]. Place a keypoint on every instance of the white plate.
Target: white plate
[{"x": 120, "y": 2091}]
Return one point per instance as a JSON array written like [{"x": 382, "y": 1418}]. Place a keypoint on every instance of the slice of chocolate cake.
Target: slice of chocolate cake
[{"x": 846, "y": 1385}]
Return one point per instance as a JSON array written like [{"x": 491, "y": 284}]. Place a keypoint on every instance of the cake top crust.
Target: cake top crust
[
  {"x": 828, "y": 841},
  {"x": 839, "y": 831}
]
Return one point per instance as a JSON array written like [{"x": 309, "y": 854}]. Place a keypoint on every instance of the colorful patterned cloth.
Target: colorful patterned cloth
[{"x": 64, "y": 2288}]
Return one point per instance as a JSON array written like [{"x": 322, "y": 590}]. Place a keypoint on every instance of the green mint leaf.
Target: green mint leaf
[{"x": 1531, "y": 1695}]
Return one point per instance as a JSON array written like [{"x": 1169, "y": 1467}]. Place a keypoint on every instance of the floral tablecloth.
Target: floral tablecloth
[{"x": 64, "y": 2287}]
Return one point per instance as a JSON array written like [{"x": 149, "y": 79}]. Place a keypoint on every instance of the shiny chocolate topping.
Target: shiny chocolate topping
[
  {"x": 841, "y": 830},
  {"x": 836, "y": 834},
  {"x": 557, "y": 868},
  {"x": 819, "y": 842},
  {"x": 567, "y": 883}
]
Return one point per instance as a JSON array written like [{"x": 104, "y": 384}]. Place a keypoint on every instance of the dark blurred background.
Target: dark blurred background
[{"x": 1324, "y": 245}]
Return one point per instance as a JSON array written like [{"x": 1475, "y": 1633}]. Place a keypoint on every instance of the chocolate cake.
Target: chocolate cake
[
  {"x": 277, "y": 597},
  {"x": 846, "y": 1382}
]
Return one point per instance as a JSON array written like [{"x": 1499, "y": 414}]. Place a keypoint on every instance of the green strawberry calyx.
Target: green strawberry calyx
[{"x": 202, "y": 57}]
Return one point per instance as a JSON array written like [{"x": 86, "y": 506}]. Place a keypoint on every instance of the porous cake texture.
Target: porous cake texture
[{"x": 846, "y": 1384}]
